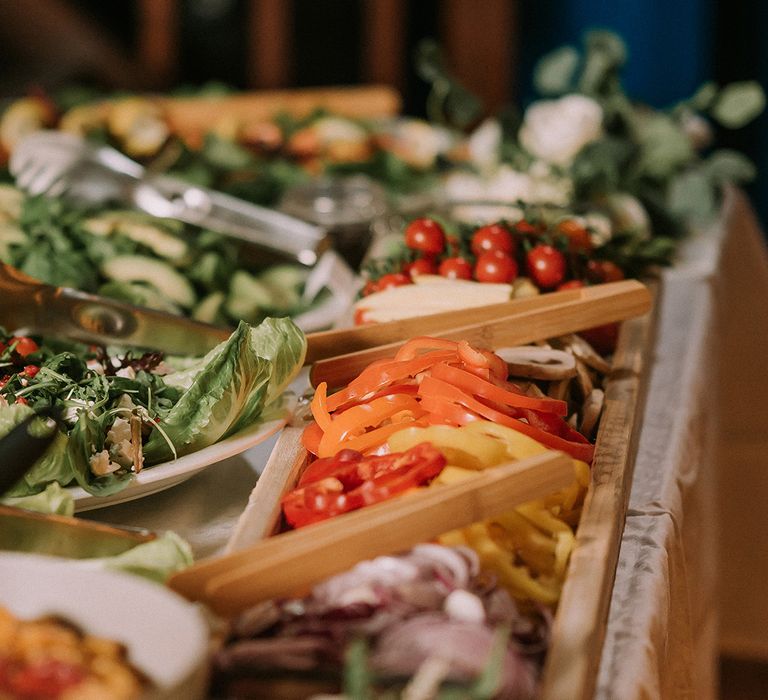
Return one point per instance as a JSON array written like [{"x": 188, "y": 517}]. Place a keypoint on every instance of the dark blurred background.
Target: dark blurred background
[{"x": 492, "y": 46}]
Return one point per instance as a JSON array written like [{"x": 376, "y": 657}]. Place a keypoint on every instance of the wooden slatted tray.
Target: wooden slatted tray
[{"x": 579, "y": 628}]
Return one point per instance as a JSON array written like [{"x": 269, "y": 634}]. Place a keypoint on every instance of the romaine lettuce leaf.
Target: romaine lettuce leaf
[
  {"x": 233, "y": 380},
  {"x": 52, "y": 467},
  {"x": 53, "y": 501},
  {"x": 280, "y": 341},
  {"x": 85, "y": 440},
  {"x": 155, "y": 560}
]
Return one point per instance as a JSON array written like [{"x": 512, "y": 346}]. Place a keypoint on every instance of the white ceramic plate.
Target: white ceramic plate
[
  {"x": 166, "y": 636},
  {"x": 162, "y": 476}
]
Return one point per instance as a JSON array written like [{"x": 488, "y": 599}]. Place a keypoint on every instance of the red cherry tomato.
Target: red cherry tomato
[
  {"x": 492, "y": 237},
  {"x": 425, "y": 235},
  {"x": 456, "y": 269},
  {"x": 526, "y": 228},
  {"x": 570, "y": 284},
  {"x": 602, "y": 338},
  {"x": 546, "y": 266},
  {"x": 393, "y": 279},
  {"x": 495, "y": 266},
  {"x": 604, "y": 271},
  {"x": 421, "y": 266},
  {"x": 24, "y": 346},
  {"x": 371, "y": 286},
  {"x": 577, "y": 235}
]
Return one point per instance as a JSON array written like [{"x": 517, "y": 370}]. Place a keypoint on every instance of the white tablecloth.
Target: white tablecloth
[{"x": 662, "y": 634}]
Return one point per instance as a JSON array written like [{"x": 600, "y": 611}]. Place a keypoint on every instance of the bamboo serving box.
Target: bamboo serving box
[{"x": 573, "y": 658}]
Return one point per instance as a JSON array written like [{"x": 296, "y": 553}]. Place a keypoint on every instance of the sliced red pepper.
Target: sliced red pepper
[
  {"x": 354, "y": 421},
  {"x": 383, "y": 373},
  {"x": 311, "y": 437},
  {"x": 416, "y": 346},
  {"x": 409, "y": 389},
  {"x": 479, "y": 359},
  {"x": 487, "y": 390},
  {"x": 360, "y": 482},
  {"x": 437, "y": 390},
  {"x": 375, "y": 438},
  {"x": 319, "y": 407}
]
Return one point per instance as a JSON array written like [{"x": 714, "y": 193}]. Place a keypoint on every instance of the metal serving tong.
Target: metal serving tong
[
  {"x": 62, "y": 312},
  {"x": 60, "y": 164}
]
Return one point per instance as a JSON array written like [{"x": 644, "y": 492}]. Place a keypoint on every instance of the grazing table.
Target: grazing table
[{"x": 661, "y": 637}]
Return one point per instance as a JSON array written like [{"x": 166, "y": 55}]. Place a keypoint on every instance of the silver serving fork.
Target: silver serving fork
[{"x": 58, "y": 164}]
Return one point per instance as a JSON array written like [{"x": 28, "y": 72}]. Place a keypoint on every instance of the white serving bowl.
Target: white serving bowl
[{"x": 166, "y": 636}]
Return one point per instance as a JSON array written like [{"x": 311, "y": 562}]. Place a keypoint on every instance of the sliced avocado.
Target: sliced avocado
[
  {"x": 139, "y": 295},
  {"x": 210, "y": 271},
  {"x": 140, "y": 229},
  {"x": 284, "y": 283},
  {"x": 140, "y": 268},
  {"x": 209, "y": 309},
  {"x": 248, "y": 297}
]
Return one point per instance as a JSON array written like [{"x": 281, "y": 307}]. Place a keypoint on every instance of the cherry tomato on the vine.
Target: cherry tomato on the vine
[
  {"x": 456, "y": 269},
  {"x": 393, "y": 279},
  {"x": 546, "y": 266},
  {"x": 602, "y": 338},
  {"x": 604, "y": 271},
  {"x": 525, "y": 227},
  {"x": 577, "y": 235},
  {"x": 370, "y": 287},
  {"x": 492, "y": 237},
  {"x": 421, "y": 266},
  {"x": 24, "y": 346},
  {"x": 495, "y": 266},
  {"x": 425, "y": 235},
  {"x": 453, "y": 245},
  {"x": 570, "y": 284}
]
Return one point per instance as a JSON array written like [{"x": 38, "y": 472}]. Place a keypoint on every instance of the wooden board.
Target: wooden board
[
  {"x": 579, "y": 628},
  {"x": 570, "y": 670}
]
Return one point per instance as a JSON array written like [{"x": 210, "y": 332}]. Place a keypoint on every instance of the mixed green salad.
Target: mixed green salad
[
  {"x": 120, "y": 412},
  {"x": 158, "y": 263}
]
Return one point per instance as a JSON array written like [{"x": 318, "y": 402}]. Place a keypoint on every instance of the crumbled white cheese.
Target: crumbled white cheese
[
  {"x": 122, "y": 453},
  {"x": 101, "y": 465},
  {"x": 120, "y": 430},
  {"x": 126, "y": 373}
]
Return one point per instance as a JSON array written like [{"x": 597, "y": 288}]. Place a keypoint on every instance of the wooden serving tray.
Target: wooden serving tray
[{"x": 573, "y": 659}]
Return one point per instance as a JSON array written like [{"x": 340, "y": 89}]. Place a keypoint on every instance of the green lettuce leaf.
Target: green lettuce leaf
[
  {"x": 55, "y": 500},
  {"x": 155, "y": 560},
  {"x": 52, "y": 467},
  {"x": 280, "y": 341},
  {"x": 232, "y": 380},
  {"x": 85, "y": 440}
]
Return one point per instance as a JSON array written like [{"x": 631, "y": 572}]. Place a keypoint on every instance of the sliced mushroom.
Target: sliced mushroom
[
  {"x": 584, "y": 378},
  {"x": 531, "y": 389},
  {"x": 586, "y": 353},
  {"x": 590, "y": 412},
  {"x": 538, "y": 363},
  {"x": 559, "y": 390}
]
